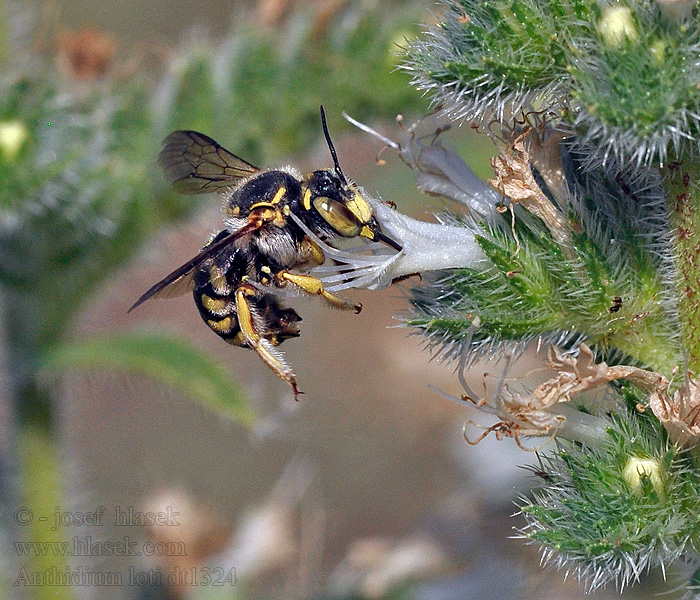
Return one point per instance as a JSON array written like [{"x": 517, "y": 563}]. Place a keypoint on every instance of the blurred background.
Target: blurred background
[{"x": 364, "y": 489}]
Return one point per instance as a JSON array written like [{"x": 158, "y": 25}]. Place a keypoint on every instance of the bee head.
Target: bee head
[{"x": 336, "y": 205}]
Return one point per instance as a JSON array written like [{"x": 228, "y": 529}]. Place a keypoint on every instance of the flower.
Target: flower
[
  {"x": 86, "y": 54},
  {"x": 425, "y": 246},
  {"x": 680, "y": 415},
  {"x": 439, "y": 171},
  {"x": 549, "y": 411}
]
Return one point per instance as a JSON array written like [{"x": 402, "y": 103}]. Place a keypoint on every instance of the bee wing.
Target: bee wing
[
  {"x": 178, "y": 287},
  {"x": 195, "y": 164},
  {"x": 180, "y": 280}
]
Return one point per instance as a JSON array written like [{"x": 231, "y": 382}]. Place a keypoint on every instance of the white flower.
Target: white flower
[
  {"x": 439, "y": 171},
  {"x": 425, "y": 246}
]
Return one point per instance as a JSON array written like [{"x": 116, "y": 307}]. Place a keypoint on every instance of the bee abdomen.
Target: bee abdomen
[
  {"x": 215, "y": 284},
  {"x": 219, "y": 313},
  {"x": 214, "y": 287},
  {"x": 217, "y": 306}
]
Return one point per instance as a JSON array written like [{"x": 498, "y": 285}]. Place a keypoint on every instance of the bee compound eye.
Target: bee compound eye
[{"x": 338, "y": 216}]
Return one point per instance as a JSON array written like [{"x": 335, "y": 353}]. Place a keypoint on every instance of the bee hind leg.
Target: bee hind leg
[
  {"x": 266, "y": 351},
  {"x": 313, "y": 286}
]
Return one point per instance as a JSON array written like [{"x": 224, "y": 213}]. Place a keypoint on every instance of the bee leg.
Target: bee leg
[
  {"x": 263, "y": 347},
  {"x": 314, "y": 286}
]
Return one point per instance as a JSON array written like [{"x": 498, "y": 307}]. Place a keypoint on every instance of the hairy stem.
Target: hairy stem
[{"x": 680, "y": 180}]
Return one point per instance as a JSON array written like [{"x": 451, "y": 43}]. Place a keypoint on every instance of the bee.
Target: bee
[{"x": 261, "y": 248}]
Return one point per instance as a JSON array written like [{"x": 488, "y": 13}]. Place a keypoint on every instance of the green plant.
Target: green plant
[{"x": 587, "y": 244}]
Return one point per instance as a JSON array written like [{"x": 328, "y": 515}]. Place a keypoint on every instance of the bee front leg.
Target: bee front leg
[
  {"x": 314, "y": 286},
  {"x": 263, "y": 347}
]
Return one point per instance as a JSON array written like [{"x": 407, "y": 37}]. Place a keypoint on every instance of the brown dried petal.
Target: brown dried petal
[
  {"x": 515, "y": 180},
  {"x": 582, "y": 373},
  {"x": 86, "y": 54},
  {"x": 680, "y": 415}
]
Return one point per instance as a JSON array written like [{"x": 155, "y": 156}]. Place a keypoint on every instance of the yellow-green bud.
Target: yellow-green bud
[
  {"x": 649, "y": 468},
  {"x": 617, "y": 26},
  {"x": 658, "y": 49},
  {"x": 12, "y": 137}
]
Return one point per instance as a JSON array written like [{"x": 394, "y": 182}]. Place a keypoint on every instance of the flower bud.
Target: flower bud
[
  {"x": 649, "y": 468},
  {"x": 617, "y": 26},
  {"x": 12, "y": 137}
]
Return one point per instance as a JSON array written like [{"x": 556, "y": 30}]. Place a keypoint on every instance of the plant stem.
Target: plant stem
[
  {"x": 43, "y": 494},
  {"x": 32, "y": 477},
  {"x": 680, "y": 181}
]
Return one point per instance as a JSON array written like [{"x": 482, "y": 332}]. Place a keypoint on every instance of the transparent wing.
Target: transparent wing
[
  {"x": 178, "y": 287},
  {"x": 180, "y": 280},
  {"x": 195, "y": 164}
]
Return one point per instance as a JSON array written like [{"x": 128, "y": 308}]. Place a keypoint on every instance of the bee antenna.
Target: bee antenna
[{"x": 331, "y": 148}]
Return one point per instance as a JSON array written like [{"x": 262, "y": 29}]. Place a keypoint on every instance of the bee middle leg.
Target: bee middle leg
[
  {"x": 313, "y": 286},
  {"x": 263, "y": 347}
]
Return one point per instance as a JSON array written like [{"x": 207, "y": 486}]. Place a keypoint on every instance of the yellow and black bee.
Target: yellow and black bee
[{"x": 261, "y": 248}]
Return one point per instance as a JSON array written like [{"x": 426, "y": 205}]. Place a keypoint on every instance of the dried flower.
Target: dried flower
[
  {"x": 515, "y": 180},
  {"x": 374, "y": 566},
  {"x": 680, "y": 415},
  {"x": 582, "y": 373},
  {"x": 544, "y": 412},
  {"x": 86, "y": 54},
  {"x": 199, "y": 530},
  {"x": 264, "y": 541},
  {"x": 548, "y": 410}
]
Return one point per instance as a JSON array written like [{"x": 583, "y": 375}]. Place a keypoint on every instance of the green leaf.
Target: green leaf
[{"x": 166, "y": 359}]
